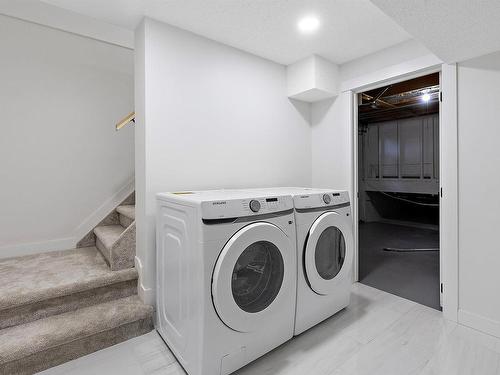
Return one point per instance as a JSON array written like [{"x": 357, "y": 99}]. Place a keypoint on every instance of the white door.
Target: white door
[
  {"x": 328, "y": 252},
  {"x": 253, "y": 276}
]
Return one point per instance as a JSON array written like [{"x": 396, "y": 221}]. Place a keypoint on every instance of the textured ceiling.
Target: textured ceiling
[
  {"x": 349, "y": 28},
  {"x": 454, "y": 30}
]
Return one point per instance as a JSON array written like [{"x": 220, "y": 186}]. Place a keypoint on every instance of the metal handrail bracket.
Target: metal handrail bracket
[{"x": 129, "y": 118}]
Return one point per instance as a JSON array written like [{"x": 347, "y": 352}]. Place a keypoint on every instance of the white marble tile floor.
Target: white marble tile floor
[{"x": 378, "y": 334}]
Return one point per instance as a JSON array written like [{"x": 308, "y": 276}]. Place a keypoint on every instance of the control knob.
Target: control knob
[
  {"x": 327, "y": 199},
  {"x": 254, "y": 205}
]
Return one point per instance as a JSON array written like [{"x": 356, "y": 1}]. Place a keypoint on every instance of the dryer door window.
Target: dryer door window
[
  {"x": 328, "y": 253},
  {"x": 254, "y": 277},
  {"x": 257, "y": 276}
]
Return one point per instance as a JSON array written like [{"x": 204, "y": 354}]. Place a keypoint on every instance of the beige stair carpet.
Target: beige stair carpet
[
  {"x": 44, "y": 343},
  {"x": 114, "y": 236},
  {"x": 117, "y": 244},
  {"x": 126, "y": 214},
  {"x": 32, "y": 284},
  {"x": 111, "y": 219},
  {"x": 61, "y": 305}
]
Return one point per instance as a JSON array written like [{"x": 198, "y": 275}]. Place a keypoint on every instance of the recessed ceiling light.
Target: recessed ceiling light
[
  {"x": 308, "y": 24},
  {"x": 426, "y": 98}
]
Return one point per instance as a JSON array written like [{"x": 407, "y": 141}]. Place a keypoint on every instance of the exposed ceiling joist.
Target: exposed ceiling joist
[{"x": 410, "y": 98}]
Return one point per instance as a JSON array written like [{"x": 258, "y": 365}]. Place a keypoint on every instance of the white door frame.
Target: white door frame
[{"x": 448, "y": 179}]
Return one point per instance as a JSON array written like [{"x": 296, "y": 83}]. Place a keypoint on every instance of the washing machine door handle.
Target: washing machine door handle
[{"x": 329, "y": 252}]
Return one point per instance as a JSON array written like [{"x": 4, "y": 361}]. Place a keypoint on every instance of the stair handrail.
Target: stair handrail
[{"x": 129, "y": 118}]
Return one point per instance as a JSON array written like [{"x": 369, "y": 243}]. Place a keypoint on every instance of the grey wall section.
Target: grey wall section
[
  {"x": 60, "y": 157},
  {"x": 479, "y": 187},
  {"x": 213, "y": 117}
]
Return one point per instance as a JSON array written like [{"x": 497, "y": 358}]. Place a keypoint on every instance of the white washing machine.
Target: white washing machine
[
  {"x": 226, "y": 276},
  {"x": 325, "y": 253}
]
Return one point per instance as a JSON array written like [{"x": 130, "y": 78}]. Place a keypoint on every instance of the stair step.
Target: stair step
[
  {"x": 127, "y": 210},
  {"x": 37, "y": 286},
  {"x": 127, "y": 214},
  {"x": 44, "y": 343},
  {"x": 117, "y": 244},
  {"x": 108, "y": 234},
  {"x": 106, "y": 237}
]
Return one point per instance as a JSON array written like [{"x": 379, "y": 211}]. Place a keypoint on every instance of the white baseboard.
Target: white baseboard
[
  {"x": 19, "y": 250},
  {"x": 147, "y": 295},
  {"x": 480, "y": 323},
  {"x": 101, "y": 212},
  {"x": 70, "y": 242}
]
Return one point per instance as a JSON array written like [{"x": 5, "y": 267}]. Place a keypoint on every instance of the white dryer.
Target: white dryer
[
  {"x": 325, "y": 246},
  {"x": 325, "y": 253},
  {"x": 226, "y": 276}
]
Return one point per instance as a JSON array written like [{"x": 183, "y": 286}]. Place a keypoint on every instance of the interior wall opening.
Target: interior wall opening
[{"x": 398, "y": 184}]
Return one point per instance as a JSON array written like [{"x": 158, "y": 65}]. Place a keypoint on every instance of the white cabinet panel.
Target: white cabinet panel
[
  {"x": 403, "y": 154},
  {"x": 428, "y": 147},
  {"x": 371, "y": 152},
  {"x": 410, "y": 147},
  {"x": 388, "y": 141}
]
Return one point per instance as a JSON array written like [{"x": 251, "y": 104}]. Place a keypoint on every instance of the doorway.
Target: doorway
[{"x": 398, "y": 185}]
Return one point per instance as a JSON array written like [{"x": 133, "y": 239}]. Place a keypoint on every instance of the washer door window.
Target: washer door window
[
  {"x": 328, "y": 254},
  {"x": 251, "y": 279},
  {"x": 257, "y": 276}
]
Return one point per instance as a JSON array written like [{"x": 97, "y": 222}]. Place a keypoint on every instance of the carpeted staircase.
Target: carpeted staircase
[
  {"x": 61, "y": 305},
  {"x": 114, "y": 236}
]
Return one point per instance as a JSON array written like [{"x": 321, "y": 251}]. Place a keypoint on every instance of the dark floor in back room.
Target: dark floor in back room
[{"x": 411, "y": 275}]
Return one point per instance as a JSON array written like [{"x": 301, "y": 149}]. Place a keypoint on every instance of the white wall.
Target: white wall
[
  {"x": 211, "y": 117},
  {"x": 60, "y": 157},
  {"x": 332, "y": 143},
  {"x": 479, "y": 187}
]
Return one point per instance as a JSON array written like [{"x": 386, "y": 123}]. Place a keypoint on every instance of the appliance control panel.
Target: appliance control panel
[
  {"x": 325, "y": 199},
  {"x": 234, "y": 208}
]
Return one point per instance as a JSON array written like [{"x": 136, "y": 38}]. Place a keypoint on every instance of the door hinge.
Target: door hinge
[
  {"x": 441, "y": 192},
  {"x": 440, "y": 96},
  {"x": 442, "y": 287}
]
